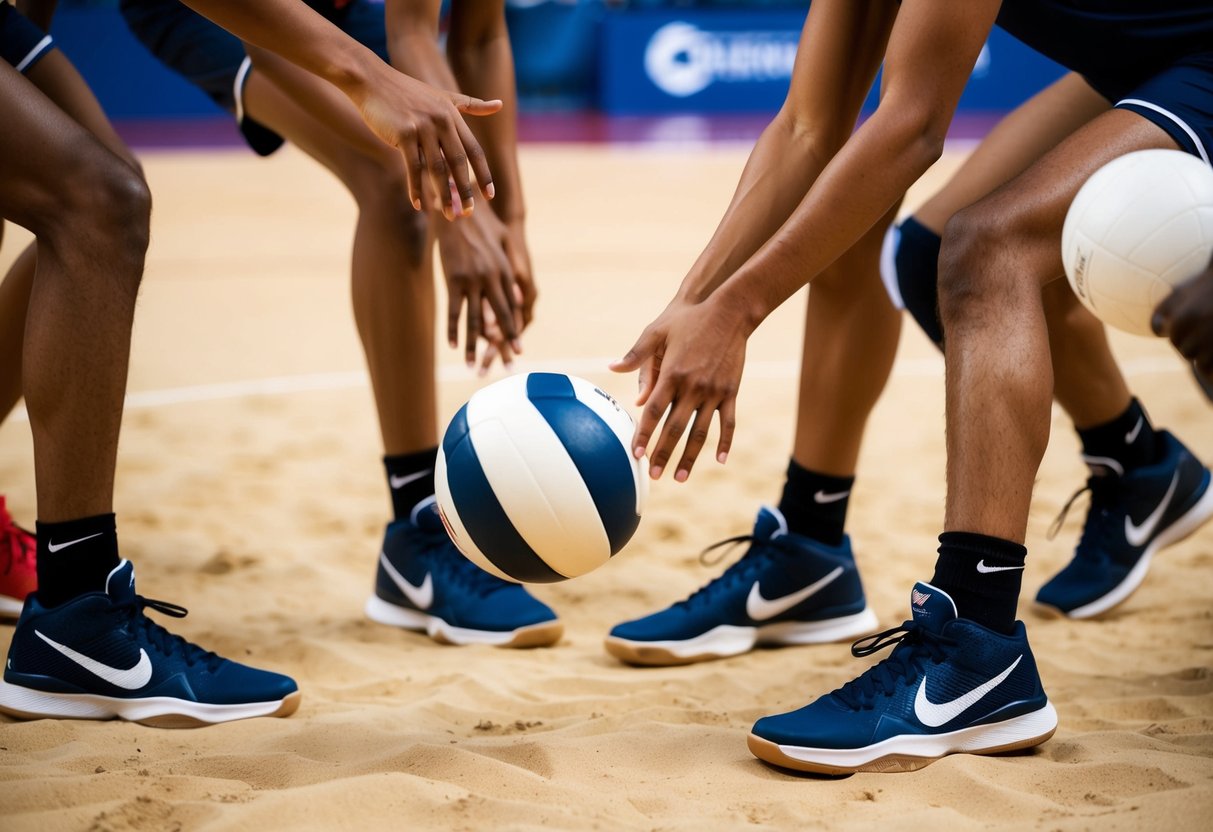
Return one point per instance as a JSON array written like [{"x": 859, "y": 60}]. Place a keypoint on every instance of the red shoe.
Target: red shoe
[{"x": 18, "y": 577}]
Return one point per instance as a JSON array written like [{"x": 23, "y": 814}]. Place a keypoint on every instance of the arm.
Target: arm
[
  {"x": 423, "y": 123},
  {"x": 691, "y": 358},
  {"x": 487, "y": 258}
]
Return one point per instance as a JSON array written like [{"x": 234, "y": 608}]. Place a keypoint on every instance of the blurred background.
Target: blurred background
[{"x": 588, "y": 70}]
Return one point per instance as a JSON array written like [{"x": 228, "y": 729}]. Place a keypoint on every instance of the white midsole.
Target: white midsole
[
  {"x": 1177, "y": 531},
  {"x": 978, "y": 738},
  {"x": 731, "y": 640},
  {"x": 91, "y": 706},
  {"x": 386, "y": 613}
]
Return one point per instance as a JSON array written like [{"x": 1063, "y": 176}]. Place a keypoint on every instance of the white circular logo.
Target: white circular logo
[{"x": 678, "y": 59}]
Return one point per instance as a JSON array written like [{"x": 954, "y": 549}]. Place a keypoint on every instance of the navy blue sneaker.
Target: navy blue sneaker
[
  {"x": 950, "y": 686},
  {"x": 426, "y": 584},
  {"x": 100, "y": 657},
  {"x": 1131, "y": 517},
  {"x": 787, "y": 589}
]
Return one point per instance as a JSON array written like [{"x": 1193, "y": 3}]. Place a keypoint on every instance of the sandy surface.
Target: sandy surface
[{"x": 262, "y": 512}]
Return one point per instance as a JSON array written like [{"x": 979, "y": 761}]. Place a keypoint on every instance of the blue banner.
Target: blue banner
[{"x": 741, "y": 62}]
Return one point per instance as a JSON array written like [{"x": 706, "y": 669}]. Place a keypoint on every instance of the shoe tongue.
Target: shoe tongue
[
  {"x": 931, "y": 607},
  {"x": 770, "y": 523},
  {"x": 120, "y": 585},
  {"x": 425, "y": 516}
]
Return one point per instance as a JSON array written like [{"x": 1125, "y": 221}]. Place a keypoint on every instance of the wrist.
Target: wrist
[
  {"x": 748, "y": 309},
  {"x": 353, "y": 70}
]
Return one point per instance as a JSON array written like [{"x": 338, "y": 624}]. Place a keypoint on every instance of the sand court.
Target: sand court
[{"x": 250, "y": 490}]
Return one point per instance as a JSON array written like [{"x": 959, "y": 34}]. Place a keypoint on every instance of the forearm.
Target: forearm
[
  {"x": 293, "y": 30},
  {"x": 483, "y": 63},
  {"x": 39, "y": 12},
  {"x": 782, "y": 167},
  {"x": 859, "y": 185}
]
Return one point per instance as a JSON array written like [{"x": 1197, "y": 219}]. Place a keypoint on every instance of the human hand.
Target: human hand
[
  {"x": 482, "y": 287},
  {"x": 425, "y": 125},
  {"x": 690, "y": 361},
  {"x": 1186, "y": 317}
]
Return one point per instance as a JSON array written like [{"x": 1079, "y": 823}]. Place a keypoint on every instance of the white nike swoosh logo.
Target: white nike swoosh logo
[
  {"x": 823, "y": 497},
  {"x": 132, "y": 678},
  {"x": 760, "y": 609},
  {"x": 1131, "y": 435},
  {"x": 1138, "y": 535},
  {"x": 400, "y": 482},
  {"x": 421, "y": 596},
  {"x": 55, "y": 547},
  {"x": 985, "y": 570},
  {"x": 933, "y": 715}
]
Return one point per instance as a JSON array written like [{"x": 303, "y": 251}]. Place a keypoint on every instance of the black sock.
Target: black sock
[
  {"x": 1125, "y": 443},
  {"x": 983, "y": 575},
  {"x": 75, "y": 557},
  {"x": 410, "y": 478},
  {"x": 917, "y": 264},
  {"x": 815, "y": 505}
]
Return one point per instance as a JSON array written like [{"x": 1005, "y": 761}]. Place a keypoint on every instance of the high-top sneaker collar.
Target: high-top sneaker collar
[
  {"x": 120, "y": 585},
  {"x": 770, "y": 524},
  {"x": 931, "y": 607}
]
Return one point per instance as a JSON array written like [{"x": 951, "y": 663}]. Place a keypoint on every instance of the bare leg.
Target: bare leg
[
  {"x": 996, "y": 256},
  {"x": 851, "y": 332},
  {"x": 90, "y": 213},
  {"x": 392, "y": 272},
  {"x": 55, "y": 76}
]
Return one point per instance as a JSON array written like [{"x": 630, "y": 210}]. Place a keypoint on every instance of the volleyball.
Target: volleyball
[
  {"x": 535, "y": 480},
  {"x": 1140, "y": 225}
]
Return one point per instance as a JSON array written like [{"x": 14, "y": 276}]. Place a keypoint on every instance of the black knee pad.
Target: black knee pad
[{"x": 916, "y": 262}]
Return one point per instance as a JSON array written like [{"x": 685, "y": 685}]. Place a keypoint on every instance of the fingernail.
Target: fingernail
[
  {"x": 469, "y": 205},
  {"x": 638, "y": 452},
  {"x": 490, "y": 191},
  {"x": 516, "y": 346},
  {"x": 655, "y": 472},
  {"x": 722, "y": 457},
  {"x": 416, "y": 204},
  {"x": 471, "y": 363},
  {"x": 682, "y": 475}
]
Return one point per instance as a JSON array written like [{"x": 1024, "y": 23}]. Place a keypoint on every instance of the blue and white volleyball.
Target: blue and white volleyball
[{"x": 535, "y": 480}]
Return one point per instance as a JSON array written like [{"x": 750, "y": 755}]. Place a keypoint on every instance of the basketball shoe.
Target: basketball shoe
[
  {"x": 1131, "y": 517},
  {"x": 424, "y": 583},
  {"x": 99, "y": 656},
  {"x": 950, "y": 686},
  {"x": 18, "y": 576},
  {"x": 786, "y": 589}
]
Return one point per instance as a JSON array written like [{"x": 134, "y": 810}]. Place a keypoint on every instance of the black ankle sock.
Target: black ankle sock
[
  {"x": 410, "y": 479},
  {"x": 75, "y": 557},
  {"x": 983, "y": 575},
  {"x": 815, "y": 505},
  {"x": 1128, "y": 441}
]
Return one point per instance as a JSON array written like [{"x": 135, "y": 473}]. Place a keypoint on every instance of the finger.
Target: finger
[
  {"x": 414, "y": 165},
  {"x": 474, "y": 156},
  {"x": 649, "y": 375},
  {"x": 475, "y": 106},
  {"x": 696, "y": 439},
  {"x": 453, "y": 310},
  {"x": 676, "y": 422},
  {"x": 650, "y": 418},
  {"x": 642, "y": 350},
  {"x": 455, "y": 149},
  {"x": 439, "y": 172},
  {"x": 473, "y": 328},
  {"x": 728, "y": 423},
  {"x": 1160, "y": 322}
]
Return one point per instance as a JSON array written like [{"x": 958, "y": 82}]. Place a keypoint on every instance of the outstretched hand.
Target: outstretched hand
[
  {"x": 425, "y": 125},
  {"x": 690, "y": 361},
  {"x": 1186, "y": 317}
]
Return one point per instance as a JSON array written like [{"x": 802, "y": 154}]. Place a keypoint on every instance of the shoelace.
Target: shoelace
[
  {"x": 913, "y": 646},
  {"x": 164, "y": 641},
  {"x": 16, "y": 542},
  {"x": 1095, "y": 530},
  {"x": 739, "y": 571}
]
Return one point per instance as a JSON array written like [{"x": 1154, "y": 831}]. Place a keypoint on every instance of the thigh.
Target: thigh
[
  {"x": 42, "y": 152},
  {"x": 55, "y": 76}
]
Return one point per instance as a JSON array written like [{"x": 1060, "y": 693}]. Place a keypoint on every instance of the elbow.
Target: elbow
[{"x": 923, "y": 136}]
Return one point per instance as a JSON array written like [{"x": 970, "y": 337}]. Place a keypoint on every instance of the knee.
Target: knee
[
  {"x": 970, "y": 274},
  {"x": 110, "y": 202},
  {"x": 381, "y": 192}
]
